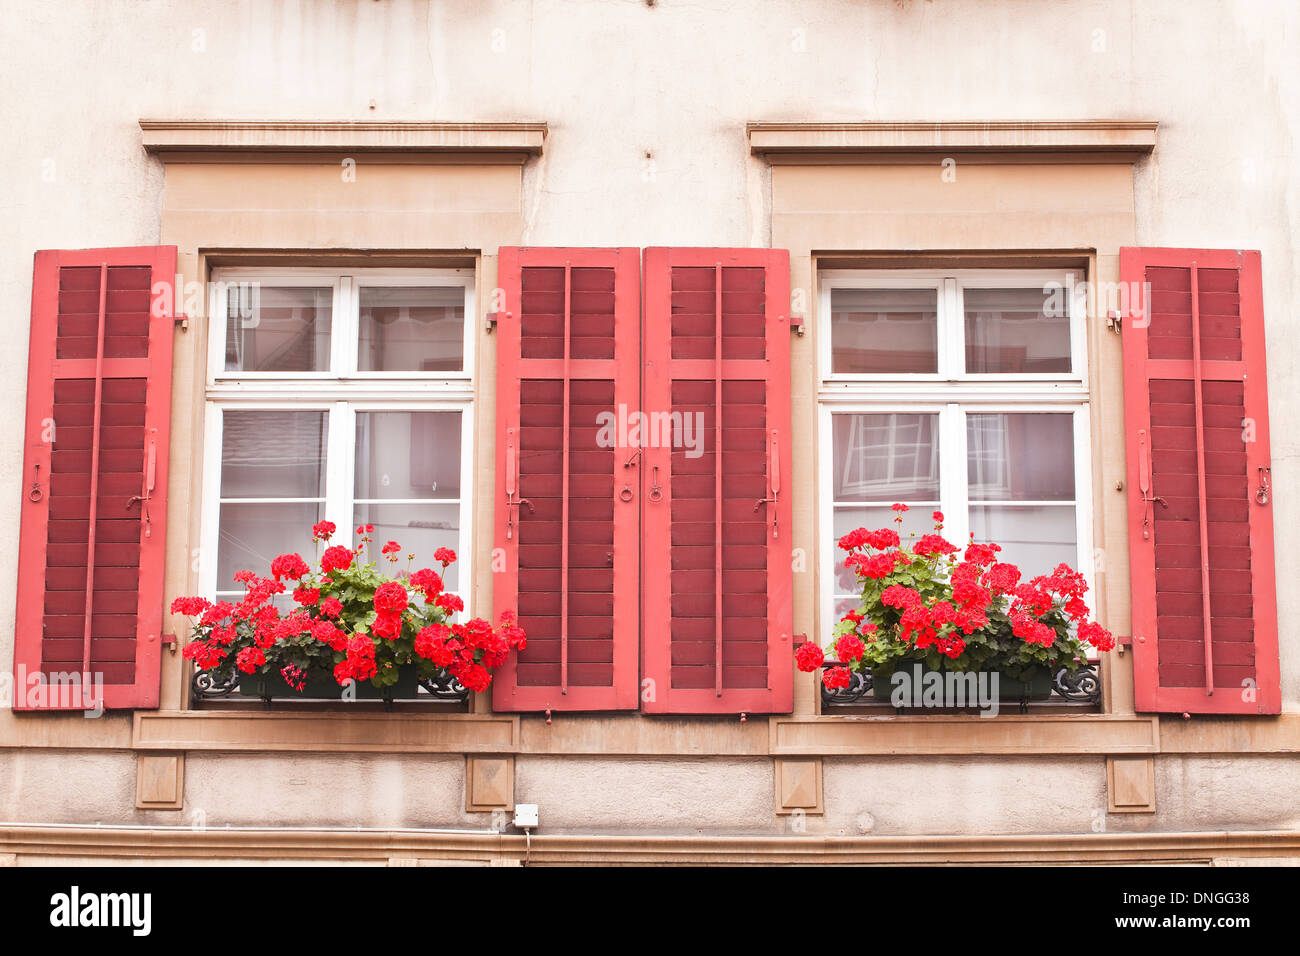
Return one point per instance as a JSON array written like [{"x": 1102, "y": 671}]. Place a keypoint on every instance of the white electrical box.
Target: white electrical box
[{"x": 526, "y": 815}]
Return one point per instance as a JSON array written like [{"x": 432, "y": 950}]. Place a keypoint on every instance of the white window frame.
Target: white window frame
[
  {"x": 345, "y": 321},
  {"x": 951, "y": 394},
  {"x": 341, "y": 392},
  {"x": 950, "y": 286}
]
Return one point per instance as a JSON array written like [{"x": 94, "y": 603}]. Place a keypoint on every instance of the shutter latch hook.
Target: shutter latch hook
[{"x": 1261, "y": 493}]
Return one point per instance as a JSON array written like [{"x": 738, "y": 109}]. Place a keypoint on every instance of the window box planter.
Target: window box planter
[
  {"x": 1037, "y": 686},
  {"x": 942, "y": 615},
  {"x": 383, "y": 632},
  {"x": 321, "y": 685}
]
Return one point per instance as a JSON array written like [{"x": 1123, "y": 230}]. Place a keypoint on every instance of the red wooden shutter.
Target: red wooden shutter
[
  {"x": 1200, "y": 515},
  {"x": 568, "y": 358},
  {"x": 94, "y": 509},
  {"x": 717, "y": 519}
]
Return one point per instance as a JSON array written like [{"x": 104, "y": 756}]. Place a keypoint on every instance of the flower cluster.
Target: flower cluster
[
  {"x": 348, "y": 620},
  {"x": 960, "y": 609}
]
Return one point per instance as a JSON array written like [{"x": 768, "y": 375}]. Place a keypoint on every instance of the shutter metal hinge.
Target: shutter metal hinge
[
  {"x": 169, "y": 642},
  {"x": 1114, "y": 321},
  {"x": 796, "y": 325},
  {"x": 494, "y": 317},
  {"x": 181, "y": 319}
]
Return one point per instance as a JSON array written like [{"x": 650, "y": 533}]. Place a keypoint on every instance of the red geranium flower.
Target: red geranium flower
[
  {"x": 1096, "y": 635},
  {"x": 204, "y": 654},
  {"x": 444, "y": 556},
  {"x": 932, "y": 544},
  {"x": 250, "y": 659},
  {"x": 808, "y": 657},
  {"x": 387, "y": 626},
  {"x": 450, "y": 603},
  {"x": 981, "y": 554},
  {"x": 836, "y": 677},
  {"x": 883, "y": 538},
  {"x": 190, "y": 606},
  {"x": 1002, "y": 577},
  {"x": 336, "y": 558},
  {"x": 391, "y": 598},
  {"x": 289, "y": 566},
  {"x": 428, "y": 581},
  {"x": 306, "y": 596},
  {"x": 849, "y": 648},
  {"x": 323, "y": 530},
  {"x": 854, "y": 539},
  {"x": 473, "y": 676},
  {"x": 431, "y": 643},
  {"x": 900, "y": 596},
  {"x": 879, "y": 565}
]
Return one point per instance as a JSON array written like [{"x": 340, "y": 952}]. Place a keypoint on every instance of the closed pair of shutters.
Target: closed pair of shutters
[{"x": 643, "y": 428}]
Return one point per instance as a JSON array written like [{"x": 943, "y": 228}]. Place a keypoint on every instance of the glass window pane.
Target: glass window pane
[
  {"x": 1036, "y": 539},
  {"x": 278, "y": 328},
  {"x": 917, "y": 521},
  {"x": 1016, "y": 330},
  {"x": 892, "y": 457},
  {"x": 408, "y": 455},
  {"x": 843, "y": 606},
  {"x": 1020, "y": 457},
  {"x": 273, "y": 454},
  {"x": 884, "y": 330},
  {"x": 421, "y": 529},
  {"x": 411, "y": 329},
  {"x": 251, "y": 535}
]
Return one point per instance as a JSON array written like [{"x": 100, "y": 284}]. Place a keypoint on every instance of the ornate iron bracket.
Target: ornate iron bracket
[
  {"x": 1083, "y": 685},
  {"x": 206, "y": 685},
  {"x": 446, "y": 687},
  {"x": 859, "y": 687}
]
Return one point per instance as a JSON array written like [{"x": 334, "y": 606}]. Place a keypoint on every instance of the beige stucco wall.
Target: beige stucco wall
[
  {"x": 886, "y": 796},
  {"x": 646, "y": 108}
]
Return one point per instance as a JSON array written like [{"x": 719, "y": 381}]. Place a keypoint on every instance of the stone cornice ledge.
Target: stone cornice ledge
[
  {"x": 53, "y": 843},
  {"x": 191, "y": 136},
  {"x": 1124, "y": 138}
]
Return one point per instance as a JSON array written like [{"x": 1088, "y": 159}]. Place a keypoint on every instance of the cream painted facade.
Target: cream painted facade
[{"x": 739, "y": 123}]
